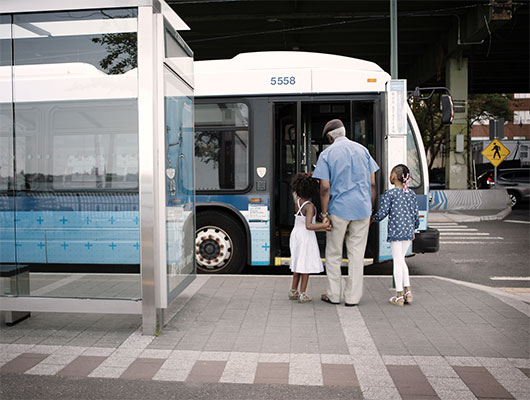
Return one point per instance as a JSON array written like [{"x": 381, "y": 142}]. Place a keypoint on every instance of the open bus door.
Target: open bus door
[{"x": 298, "y": 143}]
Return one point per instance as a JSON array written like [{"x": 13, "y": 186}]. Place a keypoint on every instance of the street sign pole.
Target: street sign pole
[
  {"x": 495, "y": 135},
  {"x": 496, "y": 131},
  {"x": 393, "y": 40}
]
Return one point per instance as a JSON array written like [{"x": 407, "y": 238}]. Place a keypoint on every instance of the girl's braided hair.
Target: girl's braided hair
[
  {"x": 304, "y": 185},
  {"x": 401, "y": 171},
  {"x": 403, "y": 175}
]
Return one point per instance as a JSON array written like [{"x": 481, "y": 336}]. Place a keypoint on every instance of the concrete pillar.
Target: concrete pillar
[{"x": 456, "y": 166}]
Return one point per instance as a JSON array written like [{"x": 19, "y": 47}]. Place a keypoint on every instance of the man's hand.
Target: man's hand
[{"x": 327, "y": 221}]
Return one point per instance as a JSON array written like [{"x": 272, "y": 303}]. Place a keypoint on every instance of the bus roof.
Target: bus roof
[{"x": 287, "y": 72}]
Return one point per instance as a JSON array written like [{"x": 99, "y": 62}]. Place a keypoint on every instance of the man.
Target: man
[{"x": 347, "y": 195}]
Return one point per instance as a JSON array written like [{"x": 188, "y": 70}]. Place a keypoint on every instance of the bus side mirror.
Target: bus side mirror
[{"x": 446, "y": 105}]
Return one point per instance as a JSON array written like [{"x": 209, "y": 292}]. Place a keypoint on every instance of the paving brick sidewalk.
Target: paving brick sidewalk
[{"x": 453, "y": 342}]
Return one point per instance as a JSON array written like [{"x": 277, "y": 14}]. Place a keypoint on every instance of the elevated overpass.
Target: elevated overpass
[
  {"x": 492, "y": 35},
  {"x": 469, "y": 46}
]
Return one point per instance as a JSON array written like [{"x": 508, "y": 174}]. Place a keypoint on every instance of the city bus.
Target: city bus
[{"x": 258, "y": 121}]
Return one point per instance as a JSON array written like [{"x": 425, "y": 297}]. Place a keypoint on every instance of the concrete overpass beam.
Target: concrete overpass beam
[{"x": 456, "y": 166}]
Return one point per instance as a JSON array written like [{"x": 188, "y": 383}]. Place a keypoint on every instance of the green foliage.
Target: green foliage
[
  {"x": 489, "y": 106},
  {"x": 122, "y": 52},
  {"x": 480, "y": 107},
  {"x": 429, "y": 119}
]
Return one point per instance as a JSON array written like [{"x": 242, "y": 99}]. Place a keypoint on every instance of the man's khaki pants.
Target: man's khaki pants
[{"x": 356, "y": 233}]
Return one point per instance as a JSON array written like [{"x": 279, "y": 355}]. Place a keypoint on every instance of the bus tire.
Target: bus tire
[{"x": 220, "y": 244}]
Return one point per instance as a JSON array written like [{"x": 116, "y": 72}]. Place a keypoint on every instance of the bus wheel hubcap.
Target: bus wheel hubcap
[{"x": 213, "y": 247}]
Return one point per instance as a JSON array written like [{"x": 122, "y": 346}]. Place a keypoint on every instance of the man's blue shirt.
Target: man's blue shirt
[{"x": 347, "y": 165}]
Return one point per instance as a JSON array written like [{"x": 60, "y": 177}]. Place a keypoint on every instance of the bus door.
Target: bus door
[
  {"x": 287, "y": 137},
  {"x": 298, "y": 136},
  {"x": 298, "y": 129}
]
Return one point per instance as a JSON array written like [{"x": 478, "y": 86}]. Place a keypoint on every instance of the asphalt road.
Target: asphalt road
[
  {"x": 34, "y": 387},
  {"x": 471, "y": 252},
  {"x": 490, "y": 253}
]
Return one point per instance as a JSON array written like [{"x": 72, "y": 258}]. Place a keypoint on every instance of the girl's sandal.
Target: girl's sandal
[
  {"x": 397, "y": 301},
  {"x": 304, "y": 298},
  {"x": 293, "y": 294},
  {"x": 408, "y": 297}
]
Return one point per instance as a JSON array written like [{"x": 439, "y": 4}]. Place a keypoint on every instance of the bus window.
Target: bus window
[
  {"x": 221, "y": 146},
  {"x": 363, "y": 124},
  {"x": 413, "y": 159},
  {"x": 221, "y": 114}
]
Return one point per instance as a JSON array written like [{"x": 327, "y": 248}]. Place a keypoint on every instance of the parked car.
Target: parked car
[{"x": 515, "y": 180}]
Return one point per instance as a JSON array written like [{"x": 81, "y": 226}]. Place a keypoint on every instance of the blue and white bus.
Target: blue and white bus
[
  {"x": 258, "y": 121},
  {"x": 70, "y": 201}
]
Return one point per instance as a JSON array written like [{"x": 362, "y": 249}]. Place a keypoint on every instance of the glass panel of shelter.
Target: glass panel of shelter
[
  {"x": 180, "y": 198},
  {"x": 9, "y": 282},
  {"x": 76, "y": 151}
]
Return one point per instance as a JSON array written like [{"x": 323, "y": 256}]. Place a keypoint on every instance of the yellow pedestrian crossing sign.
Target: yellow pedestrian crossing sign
[{"x": 495, "y": 152}]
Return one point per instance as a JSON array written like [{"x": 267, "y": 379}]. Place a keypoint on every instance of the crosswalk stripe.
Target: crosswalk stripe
[
  {"x": 510, "y": 278},
  {"x": 458, "y": 230},
  {"x": 516, "y": 222},
  {"x": 464, "y": 234},
  {"x": 476, "y": 238},
  {"x": 465, "y": 242},
  {"x": 442, "y": 223}
]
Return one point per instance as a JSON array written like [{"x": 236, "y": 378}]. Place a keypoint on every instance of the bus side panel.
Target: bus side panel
[
  {"x": 257, "y": 215},
  {"x": 73, "y": 229}
]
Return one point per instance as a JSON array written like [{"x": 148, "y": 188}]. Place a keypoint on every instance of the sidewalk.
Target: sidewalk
[{"x": 240, "y": 334}]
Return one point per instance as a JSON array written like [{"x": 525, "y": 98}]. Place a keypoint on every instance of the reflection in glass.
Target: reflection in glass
[
  {"x": 105, "y": 39},
  {"x": 78, "y": 145},
  {"x": 413, "y": 159},
  {"x": 180, "y": 199},
  {"x": 73, "y": 196},
  {"x": 221, "y": 159},
  {"x": 221, "y": 114}
]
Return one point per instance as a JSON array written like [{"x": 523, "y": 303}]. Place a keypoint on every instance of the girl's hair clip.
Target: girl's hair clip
[{"x": 406, "y": 182}]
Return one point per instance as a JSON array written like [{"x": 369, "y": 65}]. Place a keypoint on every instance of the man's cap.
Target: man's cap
[{"x": 332, "y": 125}]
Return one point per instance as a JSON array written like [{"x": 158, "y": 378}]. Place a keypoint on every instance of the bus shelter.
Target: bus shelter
[{"x": 96, "y": 158}]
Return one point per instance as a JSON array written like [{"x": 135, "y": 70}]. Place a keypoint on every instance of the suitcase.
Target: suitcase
[{"x": 426, "y": 241}]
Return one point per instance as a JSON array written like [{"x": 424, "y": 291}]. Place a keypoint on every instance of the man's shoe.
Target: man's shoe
[
  {"x": 325, "y": 298},
  {"x": 349, "y": 305}
]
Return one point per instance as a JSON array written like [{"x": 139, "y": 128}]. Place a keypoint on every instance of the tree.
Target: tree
[
  {"x": 429, "y": 119},
  {"x": 482, "y": 107},
  {"x": 122, "y": 52}
]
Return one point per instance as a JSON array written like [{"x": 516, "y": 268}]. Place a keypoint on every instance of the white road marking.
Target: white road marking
[
  {"x": 475, "y": 238},
  {"x": 449, "y": 226},
  {"x": 442, "y": 223},
  {"x": 516, "y": 222},
  {"x": 510, "y": 278},
  {"x": 464, "y": 234},
  {"x": 465, "y": 242},
  {"x": 458, "y": 230}
]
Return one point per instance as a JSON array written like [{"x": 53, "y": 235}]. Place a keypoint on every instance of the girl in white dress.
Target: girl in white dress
[{"x": 305, "y": 254}]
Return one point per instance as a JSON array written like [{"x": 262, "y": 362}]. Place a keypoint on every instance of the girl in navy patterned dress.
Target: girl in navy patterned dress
[{"x": 401, "y": 207}]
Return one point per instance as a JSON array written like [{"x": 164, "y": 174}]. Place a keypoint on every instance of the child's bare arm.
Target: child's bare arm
[{"x": 310, "y": 212}]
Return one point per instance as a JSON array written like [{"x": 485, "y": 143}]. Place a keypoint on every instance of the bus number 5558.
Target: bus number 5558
[{"x": 283, "y": 80}]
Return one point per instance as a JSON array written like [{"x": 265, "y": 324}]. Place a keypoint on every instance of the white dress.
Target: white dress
[{"x": 305, "y": 254}]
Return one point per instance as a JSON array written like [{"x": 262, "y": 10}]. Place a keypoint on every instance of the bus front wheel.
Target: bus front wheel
[{"x": 220, "y": 244}]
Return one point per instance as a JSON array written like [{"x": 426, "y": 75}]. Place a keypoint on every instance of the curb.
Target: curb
[{"x": 456, "y": 217}]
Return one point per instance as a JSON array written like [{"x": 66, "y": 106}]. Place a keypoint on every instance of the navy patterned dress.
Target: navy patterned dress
[{"x": 402, "y": 211}]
